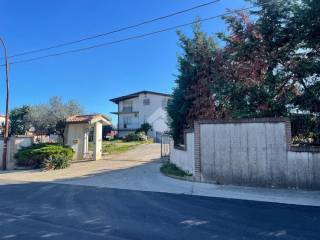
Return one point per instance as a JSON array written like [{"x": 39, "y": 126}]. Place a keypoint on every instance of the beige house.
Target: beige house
[{"x": 77, "y": 133}]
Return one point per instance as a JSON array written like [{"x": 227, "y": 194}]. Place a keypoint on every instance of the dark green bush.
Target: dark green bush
[
  {"x": 37, "y": 154},
  {"x": 56, "y": 162},
  {"x": 305, "y": 129},
  {"x": 172, "y": 169},
  {"x": 139, "y": 136}
]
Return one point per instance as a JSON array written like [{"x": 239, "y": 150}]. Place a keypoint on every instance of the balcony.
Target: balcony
[
  {"x": 128, "y": 127},
  {"x": 126, "y": 110},
  {"x": 135, "y": 112}
]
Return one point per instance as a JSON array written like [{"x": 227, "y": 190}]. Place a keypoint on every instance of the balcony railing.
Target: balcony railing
[
  {"x": 129, "y": 126},
  {"x": 127, "y": 109}
]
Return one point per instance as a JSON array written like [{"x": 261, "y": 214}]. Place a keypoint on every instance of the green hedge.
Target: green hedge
[
  {"x": 50, "y": 156},
  {"x": 139, "y": 136}
]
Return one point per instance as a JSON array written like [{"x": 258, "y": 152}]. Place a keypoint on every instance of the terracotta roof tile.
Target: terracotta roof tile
[{"x": 85, "y": 118}]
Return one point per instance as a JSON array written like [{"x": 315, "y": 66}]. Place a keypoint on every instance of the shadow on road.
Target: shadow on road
[{"x": 58, "y": 211}]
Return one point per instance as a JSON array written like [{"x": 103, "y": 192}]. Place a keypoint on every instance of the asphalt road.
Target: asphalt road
[{"x": 57, "y": 211}]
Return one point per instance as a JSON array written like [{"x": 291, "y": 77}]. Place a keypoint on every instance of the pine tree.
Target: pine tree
[{"x": 192, "y": 99}]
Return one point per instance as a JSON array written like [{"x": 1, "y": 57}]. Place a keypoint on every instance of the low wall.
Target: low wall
[
  {"x": 14, "y": 144},
  {"x": 183, "y": 157},
  {"x": 304, "y": 169},
  {"x": 251, "y": 152}
]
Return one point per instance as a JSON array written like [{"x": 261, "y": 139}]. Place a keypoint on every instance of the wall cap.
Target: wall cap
[
  {"x": 244, "y": 120},
  {"x": 313, "y": 149},
  {"x": 180, "y": 147}
]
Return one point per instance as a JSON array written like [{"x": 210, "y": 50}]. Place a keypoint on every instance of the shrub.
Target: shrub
[
  {"x": 139, "y": 136},
  {"x": 145, "y": 127},
  {"x": 173, "y": 170},
  {"x": 56, "y": 162},
  {"x": 36, "y": 155}
]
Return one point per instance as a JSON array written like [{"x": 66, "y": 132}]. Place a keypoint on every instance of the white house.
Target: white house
[{"x": 141, "y": 107}]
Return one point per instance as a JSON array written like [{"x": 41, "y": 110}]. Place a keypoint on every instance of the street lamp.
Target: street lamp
[{"x": 6, "y": 124}]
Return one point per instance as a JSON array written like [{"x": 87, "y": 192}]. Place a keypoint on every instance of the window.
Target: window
[
  {"x": 127, "y": 109},
  {"x": 127, "y": 106},
  {"x": 146, "y": 101},
  {"x": 127, "y": 121}
]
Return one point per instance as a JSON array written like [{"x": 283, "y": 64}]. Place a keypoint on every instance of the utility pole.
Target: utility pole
[{"x": 6, "y": 128}]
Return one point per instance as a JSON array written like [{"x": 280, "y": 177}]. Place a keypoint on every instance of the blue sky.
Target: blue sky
[{"x": 93, "y": 77}]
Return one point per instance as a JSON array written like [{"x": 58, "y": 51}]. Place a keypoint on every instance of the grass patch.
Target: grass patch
[
  {"x": 117, "y": 146},
  {"x": 173, "y": 170}
]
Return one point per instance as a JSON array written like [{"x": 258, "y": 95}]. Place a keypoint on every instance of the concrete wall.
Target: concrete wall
[
  {"x": 75, "y": 138},
  {"x": 183, "y": 157},
  {"x": 304, "y": 169},
  {"x": 244, "y": 153},
  {"x": 252, "y": 152},
  {"x": 14, "y": 144}
]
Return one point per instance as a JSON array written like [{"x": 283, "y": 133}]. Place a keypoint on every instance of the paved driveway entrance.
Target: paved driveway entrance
[{"x": 141, "y": 155}]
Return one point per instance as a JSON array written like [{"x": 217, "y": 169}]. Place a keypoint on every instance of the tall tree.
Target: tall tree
[
  {"x": 269, "y": 66},
  {"x": 17, "y": 120},
  {"x": 271, "y": 60},
  {"x": 192, "y": 99},
  {"x": 49, "y": 118}
]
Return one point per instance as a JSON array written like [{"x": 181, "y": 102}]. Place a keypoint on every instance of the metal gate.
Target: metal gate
[{"x": 165, "y": 146}]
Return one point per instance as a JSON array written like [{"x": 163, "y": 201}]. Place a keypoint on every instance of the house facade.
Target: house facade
[{"x": 142, "y": 107}]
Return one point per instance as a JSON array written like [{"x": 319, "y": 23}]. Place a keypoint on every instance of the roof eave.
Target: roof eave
[{"x": 134, "y": 95}]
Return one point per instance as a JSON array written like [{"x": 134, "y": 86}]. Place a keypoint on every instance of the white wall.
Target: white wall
[
  {"x": 75, "y": 138},
  {"x": 14, "y": 144},
  {"x": 155, "y": 113},
  {"x": 253, "y": 152},
  {"x": 184, "y": 159},
  {"x": 135, "y": 121},
  {"x": 243, "y": 153}
]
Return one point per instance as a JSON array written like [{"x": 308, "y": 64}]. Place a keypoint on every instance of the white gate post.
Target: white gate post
[{"x": 97, "y": 152}]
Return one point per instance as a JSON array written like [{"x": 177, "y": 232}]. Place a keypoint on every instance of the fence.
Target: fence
[
  {"x": 165, "y": 146},
  {"x": 254, "y": 152},
  {"x": 45, "y": 138}
]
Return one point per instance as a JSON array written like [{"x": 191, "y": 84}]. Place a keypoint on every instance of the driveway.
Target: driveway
[
  {"x": 138, "y": 169},
  {"x": 142, "y": 154}
]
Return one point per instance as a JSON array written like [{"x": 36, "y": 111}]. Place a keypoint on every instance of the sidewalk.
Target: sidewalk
[{"x": 147, "y": 177}]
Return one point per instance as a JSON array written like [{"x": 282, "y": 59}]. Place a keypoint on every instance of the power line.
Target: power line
[
  {"x": 127, "y": 39},
  {"x": 112, "y": 32}
]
